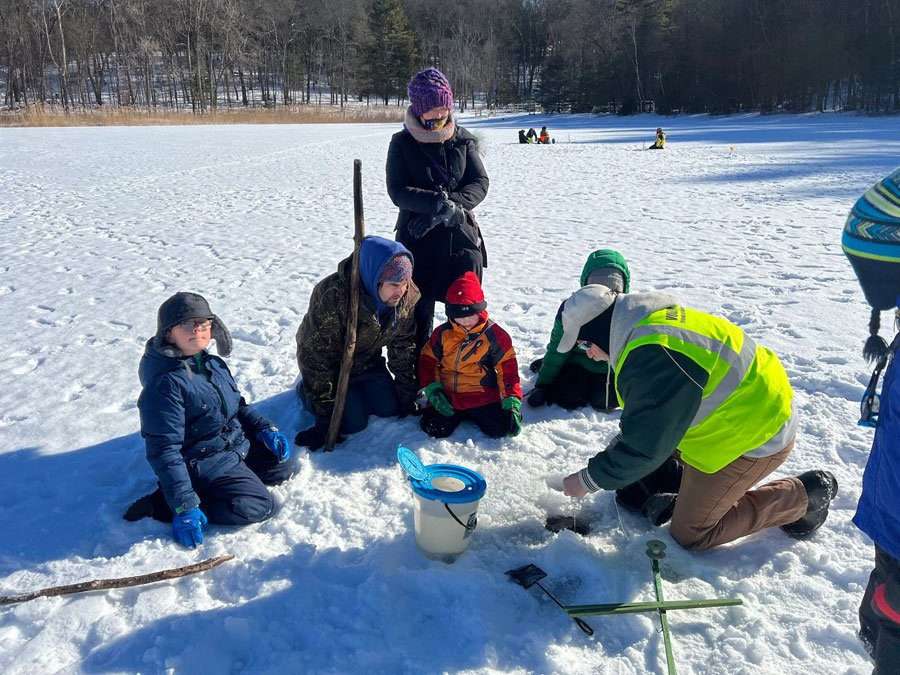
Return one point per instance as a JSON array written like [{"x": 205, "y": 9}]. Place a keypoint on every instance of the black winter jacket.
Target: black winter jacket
[
  {"x": 190, "y": 409},
  {"x": 417, "y": 172}
]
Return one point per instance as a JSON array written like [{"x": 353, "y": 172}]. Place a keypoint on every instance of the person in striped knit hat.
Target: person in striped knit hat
[{"x": 871, "y": 241}]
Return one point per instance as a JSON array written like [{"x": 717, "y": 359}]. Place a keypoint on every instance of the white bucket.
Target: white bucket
[{"x": 446, "y": 509}]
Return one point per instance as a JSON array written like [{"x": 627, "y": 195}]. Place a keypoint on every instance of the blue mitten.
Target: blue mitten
[
  {"x": 187, "y": 527},
  {"x": 276, "y": 442}
]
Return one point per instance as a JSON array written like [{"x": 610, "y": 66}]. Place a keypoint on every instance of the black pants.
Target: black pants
[
  {"x": 371, "y": 393},
  {"x": 575, "y": 387},
  {"x": 879, "y": 614},
  {"x": 492, "y": 419},
  {"x": 442, "y": 256},
  {"x": 232, "y": 490},
  {"x": 665, "y": 479}
]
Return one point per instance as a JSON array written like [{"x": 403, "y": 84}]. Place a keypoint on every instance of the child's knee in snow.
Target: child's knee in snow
[{"x": 253, "y": 509}]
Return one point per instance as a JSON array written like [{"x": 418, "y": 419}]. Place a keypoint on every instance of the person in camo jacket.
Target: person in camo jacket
[{"x": 387, "y": 302}]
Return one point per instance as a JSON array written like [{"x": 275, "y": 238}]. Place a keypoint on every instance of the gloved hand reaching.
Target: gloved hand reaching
[
  {"x": 513, "y": 406},
  {"x": 187, "y": 527},
  {"x": 276, "y": 443},
  {"x": 438, "y": 399}
]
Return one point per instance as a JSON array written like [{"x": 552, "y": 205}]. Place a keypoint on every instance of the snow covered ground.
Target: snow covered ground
[{"x": 740, "y": 216}]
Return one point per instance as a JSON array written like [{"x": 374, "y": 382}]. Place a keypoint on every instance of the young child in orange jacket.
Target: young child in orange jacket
[{"x": 468, "y": 369}]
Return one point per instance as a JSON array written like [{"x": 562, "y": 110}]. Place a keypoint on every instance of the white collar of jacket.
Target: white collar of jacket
[
  {"x": 423, "y": 135},
  {"x": 631, "y": 308}
]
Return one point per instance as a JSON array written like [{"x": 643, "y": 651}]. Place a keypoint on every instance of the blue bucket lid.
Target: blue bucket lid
[
  {"x": 474, "y": 485},
  {"x": 411, "y": 464}
]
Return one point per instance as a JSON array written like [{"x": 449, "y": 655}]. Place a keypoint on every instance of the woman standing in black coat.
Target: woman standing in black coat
[{"x": 436, "y": 177}]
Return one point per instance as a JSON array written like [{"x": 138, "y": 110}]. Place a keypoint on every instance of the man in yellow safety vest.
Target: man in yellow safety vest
[{"x": 694, "y": 383}]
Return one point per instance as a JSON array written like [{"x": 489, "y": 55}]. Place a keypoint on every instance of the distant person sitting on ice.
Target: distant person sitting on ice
[
  {"x": 387, "y": 300},
  {"x": 580, "y": 376},
  {"x": 532, "y": 135},
  {"x": 544, "y": 138},
  {"x": 695, "y": 382},
  {"x": 212, "y": 454},
  {"x": 870, "y": 242},
  {"x": 468, "y": 369},
  {"x": 522, "y": 138},
  {"x": 660, "y": 142}
]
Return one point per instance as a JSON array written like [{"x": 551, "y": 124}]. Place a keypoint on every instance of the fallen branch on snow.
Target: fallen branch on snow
[{"x": 123, "y": 582}]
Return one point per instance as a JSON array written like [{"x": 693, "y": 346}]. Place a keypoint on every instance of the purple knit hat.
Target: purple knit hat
[
  {"x": 397, "y": 269},
  {"x": 429, "y": 89}
]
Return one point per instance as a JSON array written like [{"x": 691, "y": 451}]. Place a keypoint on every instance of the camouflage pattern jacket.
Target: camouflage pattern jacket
[{"x": 320, "y": 340}]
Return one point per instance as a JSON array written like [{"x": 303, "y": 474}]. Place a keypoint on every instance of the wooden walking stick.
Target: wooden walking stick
[
  {"x": 122, "y": 582},
  {"x": 340, "y": 395}
]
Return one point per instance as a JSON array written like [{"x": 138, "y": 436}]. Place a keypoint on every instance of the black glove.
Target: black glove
[
  {"x": 314, "y": 437},
  {"x": 456, "y": 214},
  {"x": 420, "y": 225},
  {"x": 449, "y": 214},
  {"x": 535, "y": 365},
  {"x": 538, "y": 397}
]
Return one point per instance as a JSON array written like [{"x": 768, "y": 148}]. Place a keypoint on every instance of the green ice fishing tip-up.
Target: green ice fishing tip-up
[{"x": 656, "y": 550}]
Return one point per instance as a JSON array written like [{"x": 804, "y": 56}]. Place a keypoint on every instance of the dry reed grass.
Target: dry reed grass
[{"x": 53, "y": 116}]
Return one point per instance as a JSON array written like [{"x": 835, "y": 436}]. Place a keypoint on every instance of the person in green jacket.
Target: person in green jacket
[
  {"x": 697, "y": 383},
  {"x": 580, "y": 377}
]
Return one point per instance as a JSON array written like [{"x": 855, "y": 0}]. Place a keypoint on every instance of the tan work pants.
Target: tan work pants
[{"x": 716, "y": 508}]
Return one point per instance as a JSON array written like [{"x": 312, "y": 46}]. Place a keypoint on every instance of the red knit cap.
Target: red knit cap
[{"x": 465, "y": 297}]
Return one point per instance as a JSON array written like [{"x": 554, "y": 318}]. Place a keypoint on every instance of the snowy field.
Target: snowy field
[{"x": 740, "y": 216}]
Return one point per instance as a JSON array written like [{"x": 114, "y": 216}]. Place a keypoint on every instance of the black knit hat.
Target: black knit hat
[{"x": 184, "y": 306}]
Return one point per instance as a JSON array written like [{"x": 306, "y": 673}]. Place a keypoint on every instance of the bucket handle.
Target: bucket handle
[{"x": 469, "y": 527}]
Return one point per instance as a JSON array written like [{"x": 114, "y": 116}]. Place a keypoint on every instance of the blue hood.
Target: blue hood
[{"x": 373, "y": 255}]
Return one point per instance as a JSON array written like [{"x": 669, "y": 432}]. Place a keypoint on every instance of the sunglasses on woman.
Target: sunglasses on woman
[{"x": 433, "y": 125}]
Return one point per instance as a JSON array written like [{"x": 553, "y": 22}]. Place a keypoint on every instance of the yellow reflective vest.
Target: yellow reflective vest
[{"x": 747, "y": 398}]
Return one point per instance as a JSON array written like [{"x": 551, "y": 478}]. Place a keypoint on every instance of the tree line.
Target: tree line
[{"x": 557, "y": 55}]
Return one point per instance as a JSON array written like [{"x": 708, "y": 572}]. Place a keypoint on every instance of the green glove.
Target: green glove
[
  {"x": 514, "y": 406},
  {"x": 438, "y": 400}
]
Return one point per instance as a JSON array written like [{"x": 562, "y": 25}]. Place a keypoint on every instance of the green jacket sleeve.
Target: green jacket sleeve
[
  {"x": 661, "y": 395},
  {"x": 553, "y": 360}
]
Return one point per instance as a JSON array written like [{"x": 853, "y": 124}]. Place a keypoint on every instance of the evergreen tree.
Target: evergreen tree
[{"x": 389, "y": 54}]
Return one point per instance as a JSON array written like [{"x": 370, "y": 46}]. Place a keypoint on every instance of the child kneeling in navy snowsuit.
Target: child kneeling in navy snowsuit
[
  {"x": 468, "y": 369},
  {"x": 211, "y": 453}
]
